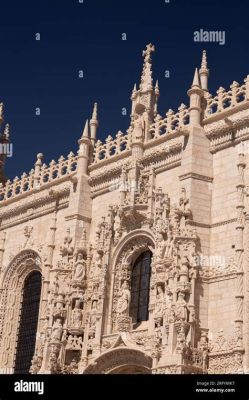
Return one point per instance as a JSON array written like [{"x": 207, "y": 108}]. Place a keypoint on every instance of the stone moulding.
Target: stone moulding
[{"x": 35, "y": 200}]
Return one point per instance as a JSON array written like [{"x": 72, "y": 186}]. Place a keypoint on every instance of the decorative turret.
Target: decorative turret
[
  {"x": 195, "y": 93},
  {"x": 83, "y": 153},
  {"x": 204, "y": 71},
  {"x": 4, "y": 143},
  {"x": 94, "y": 123},
  {"x": 144, "y": 100}
]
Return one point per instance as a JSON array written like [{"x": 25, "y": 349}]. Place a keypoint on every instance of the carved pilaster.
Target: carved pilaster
[{"x": 239, "y": 295}]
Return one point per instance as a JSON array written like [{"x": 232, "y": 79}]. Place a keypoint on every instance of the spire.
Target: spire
[
  {"x": 86, "y": 130},
  {"x": 95, "y": 112},
  {"x": 146, "y": 79},
  {"x": 83, "y": 152},
  {"x": 195, "y": 93},
  {"x": 94, "y": 123},
  {"x": 157, "y": 92},
  {"x": 1, "y": 113},
  {"x": 134, "y": 91},
  {"x": 4, "y": 143},
  {"x": 196, "y": 80},
  {"x": 204, "y": 61},
  {"x": 204, "y": 71}
]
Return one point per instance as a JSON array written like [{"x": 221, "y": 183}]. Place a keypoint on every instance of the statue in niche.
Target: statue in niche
[
  {"x": 80, "y": 268},
  {"x": 97, "y": 264},
  {"x": 57, "y": 330},
  {"x": 158, "y": 331},
  {"x": 124, "y": 300},
  {"x": 94, "y": 306},
  {"x": 169, "y": 245},
  {"x": 169, "y": 312},
  {"x": 59, "y": 306},
  {"x": 183, "y": 208},
  {"x": 138, "y": 128},
  {"x": 117, "y": 226},
  {"x": 54, "y": 285},
  {"x": 159, "y": 308},
  {"x": 181, "y": 310},
  {"x": 67, "y": 249},
  {"x": 76, "y": 314}
]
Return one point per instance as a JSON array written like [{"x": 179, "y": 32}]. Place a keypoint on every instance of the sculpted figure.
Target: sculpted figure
[
  {"x": 169, "y": 312},
  {"x": 97, "y": 264},
  {"x": 181, "y": 308},
  {"x": 159, "y": 301},
  {"x": 76, "y": 315},
  {"x": 57, "y": 330},
  {"x": 80, "y": 268},
  {"x": 124, "y": 299},
  {"x": 139, "y": 128}
]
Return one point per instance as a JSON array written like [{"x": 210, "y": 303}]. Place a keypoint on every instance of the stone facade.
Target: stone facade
[{"x": 175, "y": 187}]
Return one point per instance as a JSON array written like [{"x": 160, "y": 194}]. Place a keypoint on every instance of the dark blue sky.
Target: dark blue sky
[{"x": 87, "y": 37}]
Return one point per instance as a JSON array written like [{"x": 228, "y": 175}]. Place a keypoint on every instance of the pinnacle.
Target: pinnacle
[
  {"x": 204, "y": 66},
  {"x": 86, "y": 130},
  {"x": 196, "y": 81},
  {"x": 95, "y": 111}
]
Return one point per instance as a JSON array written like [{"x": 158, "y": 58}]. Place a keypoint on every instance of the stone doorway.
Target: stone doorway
[{"x": 121, "y": 360}]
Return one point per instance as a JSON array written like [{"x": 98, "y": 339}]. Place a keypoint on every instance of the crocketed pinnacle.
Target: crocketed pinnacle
[{"x": 146, "y": 79}]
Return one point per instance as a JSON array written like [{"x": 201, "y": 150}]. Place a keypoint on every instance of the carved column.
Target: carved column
[
  {"x": 2, "y": 245},
  {"x": 239, "y": 245},
  {"x": 46, "y": 281}
]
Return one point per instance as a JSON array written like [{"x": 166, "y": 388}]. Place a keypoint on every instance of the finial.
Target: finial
[
  {"x": 146, "y": 79},
  {"x": 1, "y": 112},
  {"x": 157, "y": 88},
  {"x": 95, "y": 111},
  {"x": 196, "y": 80},
  {"x": 204, "y": 72},
  {"x": 204, "y": 66},
  {"x": 135, "y": 88},
  {"x": 39, "y": 159},
  {"x": 86, "y": 130},
  {"x": 147, "y": 52},
  {"x": 6, "y": 133}
]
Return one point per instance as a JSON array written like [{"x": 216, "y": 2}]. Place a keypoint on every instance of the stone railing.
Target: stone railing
[
  {"x": 111, "y": 147},
  {"x": 225, "y": 100},
  {"x": 47, "y": 173},
  {"x": 170, "y": 124}
]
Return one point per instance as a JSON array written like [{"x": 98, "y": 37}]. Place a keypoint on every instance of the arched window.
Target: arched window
[
  {"x": 140, "y": 288},
  {"x": 28, "y": 323}
]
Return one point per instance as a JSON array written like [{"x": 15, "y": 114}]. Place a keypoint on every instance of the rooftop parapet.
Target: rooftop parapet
[
  {"x": 39, "y": 177},
  {"x": 227, "y": 100}
]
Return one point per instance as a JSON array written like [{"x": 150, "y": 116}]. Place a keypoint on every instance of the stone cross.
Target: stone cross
[{"x": 150, "y": 48}]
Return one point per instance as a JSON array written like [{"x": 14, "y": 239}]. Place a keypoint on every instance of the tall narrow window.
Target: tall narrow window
[
  {"x": 28, "y": 323},
  {"x": 140, "y": 288}
]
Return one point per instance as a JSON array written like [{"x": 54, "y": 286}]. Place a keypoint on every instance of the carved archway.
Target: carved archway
[
  {"x": 10, "y": 303},
  {"x": 121, "y": 361}
]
